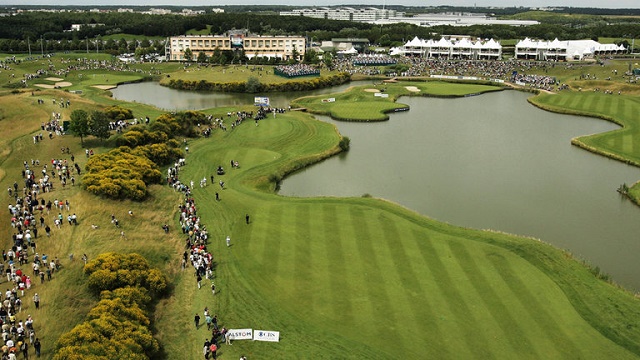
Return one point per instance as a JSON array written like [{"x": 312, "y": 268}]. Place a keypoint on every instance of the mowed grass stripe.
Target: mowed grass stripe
[
  {"x": 442, "y": 346},
  {"x": 303, "y": 259},
  {"x": 594, "y": 104},
  {"x": 381, "y": 311},
  {"x": 574, "y": 101},
  {"x": 473, "y": 341},
  {"x": 512, "y": 334},
  {"x": 271, "y": 240},
  {"x": 420, "y": 318},
  {"x": 337, "y": 270},
  {"x": 558, "y": 341},
  {"x": 559, "y": 100}
]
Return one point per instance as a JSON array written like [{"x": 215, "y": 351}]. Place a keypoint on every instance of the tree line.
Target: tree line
[{"x": 49, "y": 31}]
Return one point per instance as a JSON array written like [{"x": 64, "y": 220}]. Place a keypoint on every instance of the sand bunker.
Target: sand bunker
[
  {"x": 105, "y": 87},
  {"x": 53, "y": 79},
  {"x": 412, "y": 88},
  {"x": 372, "y": 90},
  {"x": 57, "y": 85}
]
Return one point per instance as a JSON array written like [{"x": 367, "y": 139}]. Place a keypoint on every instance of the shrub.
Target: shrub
[
  {"x": 111, "y": 271},
  {"x": 119, "y": 174},
  {"x": 345, "y": 143},
  {"x": 117, "y": 113}
]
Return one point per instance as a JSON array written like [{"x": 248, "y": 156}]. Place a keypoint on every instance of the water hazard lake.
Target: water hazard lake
[{"x": 488, "y": 162}]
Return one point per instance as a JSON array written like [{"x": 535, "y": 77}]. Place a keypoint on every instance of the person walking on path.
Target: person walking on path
[
  {"x": 228, "y": 241},
  {"x": 246, "y": 217},
  {"x": 208, "y": 320},
  {"x": 213, "y": 288},
  {"x": 214, "y": 349},
  {"x": 36, "y": 346},
  {"x": 199, "y": 278},
  {"x": 36, "y": 301},
  {"x": 196, "y": 320}
]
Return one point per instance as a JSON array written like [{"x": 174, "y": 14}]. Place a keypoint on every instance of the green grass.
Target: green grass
[
  {"x": 372, "y": 280},
  {"x": 360, "y": 103},
  {"x": 339, "y": 278}
]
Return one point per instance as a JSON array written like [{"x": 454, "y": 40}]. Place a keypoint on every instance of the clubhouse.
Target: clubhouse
[
  {"x": 463, "y": 48},
  {"x": 282, "y": 47}
]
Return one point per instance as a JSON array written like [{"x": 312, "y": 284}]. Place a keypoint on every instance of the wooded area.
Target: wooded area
[{"x": 48, "y": 32}]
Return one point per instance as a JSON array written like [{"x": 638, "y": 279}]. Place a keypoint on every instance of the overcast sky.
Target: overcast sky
[{"x": 311, "y": 3}]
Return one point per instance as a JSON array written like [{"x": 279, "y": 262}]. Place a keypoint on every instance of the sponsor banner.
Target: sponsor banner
[
  {"x": 382, "y": 95},
  {"x": 261, "y": 101},
  {"x": 455, "y": 77},
  {"x": 329, "y": 100},
  {"x": 266, "y": 335},
  {"x": 241, "y": 334}
]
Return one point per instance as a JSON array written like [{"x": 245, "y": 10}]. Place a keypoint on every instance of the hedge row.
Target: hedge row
[
  {"x": 118, "y": 326},
  {"x": 241, "y": 87}
]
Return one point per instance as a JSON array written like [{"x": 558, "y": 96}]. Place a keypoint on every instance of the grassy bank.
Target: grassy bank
[{"x": 621, "y": 144}]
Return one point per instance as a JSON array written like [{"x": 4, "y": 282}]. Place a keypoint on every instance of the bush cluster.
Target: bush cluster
[
  {"x": 184, "y": 123},
  {"x": 117, "y": 113},
  {"x": 241, "y": 87},
  {"x": 121, "y": 174},
  {"x": 125, "y": 172},
  {"x": 118, "y": 326}
]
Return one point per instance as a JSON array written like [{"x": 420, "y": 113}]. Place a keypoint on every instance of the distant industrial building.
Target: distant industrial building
[
  {"x": 368, "y": 14},
  {"x": 454, "y": 19},
  {"x": 282, "y": 47},
  {"x": 451, "y": 49},
  {"x": 388, "y": 16},
  {"x": 564, "y": 50}
]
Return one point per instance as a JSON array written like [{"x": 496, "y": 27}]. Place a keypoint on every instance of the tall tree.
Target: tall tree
[
  {"x": 99, "y": 125},
  {"x": 188, "y": 54},
  {"x": 79, "y": 125},
  {"x": 202, "y": 57}
]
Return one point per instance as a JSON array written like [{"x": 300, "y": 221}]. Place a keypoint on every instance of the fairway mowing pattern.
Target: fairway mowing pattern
[
  {"x": 337, "y": 265},
  {"x": 271, "y": 241},
  {"x": 303, "y": 258},
  {"x": 382, "y": 315},
  {"x": 511, "y": 334},
  {"x": 558, "y": 343},
  {"x": 415, "y": 297},
  {"x": 450, "y": 279},
  {"x": 366, "y": 279}
]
